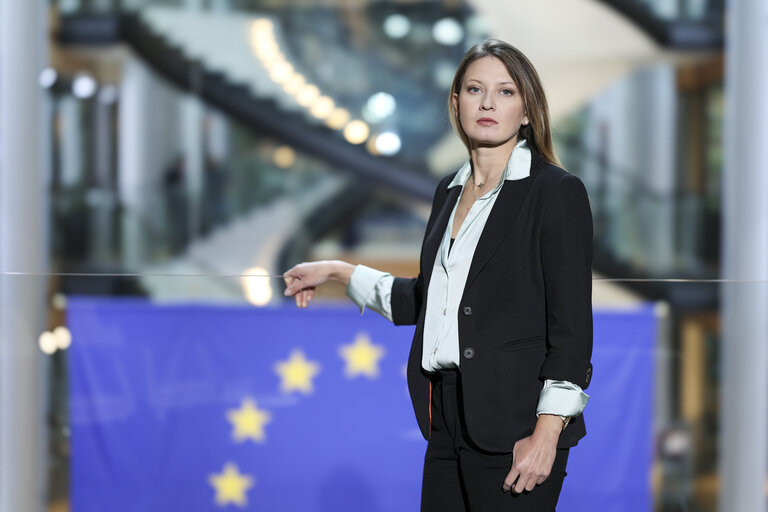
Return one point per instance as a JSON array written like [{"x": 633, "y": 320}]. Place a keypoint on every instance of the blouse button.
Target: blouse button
[
  {"x": 469, "y": 352},
  {"x": 467, "y": 311}
]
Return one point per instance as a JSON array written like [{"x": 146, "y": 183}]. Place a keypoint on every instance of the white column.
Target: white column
[
  {"x": 137, "y": 175},
  {"x": 194, "y": 164},
  {"x": 218, "y": 140},
  {"x": 71, "y": 115},
  {"x": 23, "y": 247},
  {"x": 657, "y": 142},
  {"x": 102, "y": 195},
  {"x": 744, "y": 390}
]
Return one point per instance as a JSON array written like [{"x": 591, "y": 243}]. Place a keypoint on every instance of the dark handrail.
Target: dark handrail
[{"x": 706, "y": 33}]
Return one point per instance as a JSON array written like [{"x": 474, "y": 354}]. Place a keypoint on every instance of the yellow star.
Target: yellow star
[
  {"x": 249, "y": 422},
  {"x": 297, "y": 373},
  {"x": 362, "y": 357},
  {"x": 231, "y": 486}
]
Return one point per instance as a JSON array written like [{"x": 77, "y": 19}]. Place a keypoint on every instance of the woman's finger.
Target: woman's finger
[
  {"x": 304, "y": 301},
  {"x": 292, "y": 284}
]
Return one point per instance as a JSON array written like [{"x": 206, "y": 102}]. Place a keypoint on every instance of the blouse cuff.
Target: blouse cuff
[
  {"x": 371, "y": 288},
  {"x": 561, "y": 398}
]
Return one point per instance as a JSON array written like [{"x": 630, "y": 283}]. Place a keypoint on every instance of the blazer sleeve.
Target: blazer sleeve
[
  {"x": 566, "y": 256},
  {"x": 406, "y": 300}
]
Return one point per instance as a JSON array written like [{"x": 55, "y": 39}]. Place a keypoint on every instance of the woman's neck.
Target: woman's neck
[{"x": 488, "y": 163}]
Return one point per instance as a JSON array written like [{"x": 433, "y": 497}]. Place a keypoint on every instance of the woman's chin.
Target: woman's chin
[{"x": 491, "y": 143}]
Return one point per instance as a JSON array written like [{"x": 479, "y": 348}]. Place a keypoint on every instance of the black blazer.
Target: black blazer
[{"x": 526, "y": 312}]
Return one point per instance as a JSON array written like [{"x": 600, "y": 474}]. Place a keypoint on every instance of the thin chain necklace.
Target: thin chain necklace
[{"x": 480, "y": 185}]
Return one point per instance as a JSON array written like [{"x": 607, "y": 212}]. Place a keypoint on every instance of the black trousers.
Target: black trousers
[{"x": 459, "y": 476}]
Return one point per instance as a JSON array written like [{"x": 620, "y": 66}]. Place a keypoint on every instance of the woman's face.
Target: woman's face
[{"x": 489, "y": 104}]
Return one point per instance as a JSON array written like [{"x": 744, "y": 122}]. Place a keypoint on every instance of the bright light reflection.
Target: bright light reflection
[
  {"x": 397, "y": 26},
  {"x": 281, "y": 71},
  {"x": 84, "y": 86},
  {"x": 323, "y": 107},
  {"x": 47, "y": 343},
  {"x": 380, "y": 106},
  {"x": 294, "y": 83},
  {"x": 371, "y": 147},
  {"x": 284, "y": 157},
  {"x": 388, "y": 143},
  {"x": 268, "y": 51},
  {"x": 258, "y": 289},
  {"x": 262, "y": 24},
  {"x": 338, "y": 119},
  {"x": 448, "y": 31},
  {"x": 307, "y": 95},
  {"x": 63, "y": 337},
  {"x": 356, "y": 132},
  {"x": 59, "y": 301},
  {"x": 48, "y": 77}
]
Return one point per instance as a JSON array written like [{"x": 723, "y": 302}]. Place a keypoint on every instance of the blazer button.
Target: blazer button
[
  {"x": 467, "y": 311},
  {"x": 469, "y": 352}
]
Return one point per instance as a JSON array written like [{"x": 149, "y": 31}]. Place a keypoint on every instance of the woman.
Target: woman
[{"x": 502, "y": 303}]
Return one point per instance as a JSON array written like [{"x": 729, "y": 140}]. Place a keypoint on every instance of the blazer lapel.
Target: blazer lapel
[
  {"x": 435, "y": 236},
  {"x": 499, "y": 224}
]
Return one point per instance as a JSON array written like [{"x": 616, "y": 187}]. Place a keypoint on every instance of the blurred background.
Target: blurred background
[{"x": 156, "y": 151}]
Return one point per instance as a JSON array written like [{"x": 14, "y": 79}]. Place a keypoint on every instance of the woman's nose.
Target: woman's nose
[{"x": 487, "y": 103}]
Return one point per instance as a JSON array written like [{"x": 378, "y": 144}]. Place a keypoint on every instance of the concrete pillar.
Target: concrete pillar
[
  {"x": 23, "y": 247},
  {"x": 744, "y": 390}
]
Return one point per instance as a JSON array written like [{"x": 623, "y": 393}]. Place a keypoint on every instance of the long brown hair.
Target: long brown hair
[{"x": 537, "y": 131}]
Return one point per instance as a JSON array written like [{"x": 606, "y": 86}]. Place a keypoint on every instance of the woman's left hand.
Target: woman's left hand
[{"x": 533, "y": 456}]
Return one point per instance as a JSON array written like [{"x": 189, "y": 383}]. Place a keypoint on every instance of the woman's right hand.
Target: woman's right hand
[{"x": 301, "y": 280}]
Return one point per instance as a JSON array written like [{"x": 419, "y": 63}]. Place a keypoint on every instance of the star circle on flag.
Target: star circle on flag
[
  {"x": 249, "y": 422},
  {"x": 231, "y": 486},
  {"x": 296, "y": 373},
  {"x": 362, "y": 357}
]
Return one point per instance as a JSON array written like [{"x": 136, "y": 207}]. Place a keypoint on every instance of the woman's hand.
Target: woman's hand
[
  {"x": 301, "y": 280},
  {"x": 533, "y": 456}
]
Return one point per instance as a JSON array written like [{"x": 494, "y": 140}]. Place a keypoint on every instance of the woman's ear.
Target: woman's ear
[{"x": 455, "y": 99}]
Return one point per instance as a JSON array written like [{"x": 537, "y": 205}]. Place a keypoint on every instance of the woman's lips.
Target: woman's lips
[{"x": 486, "y": 121}]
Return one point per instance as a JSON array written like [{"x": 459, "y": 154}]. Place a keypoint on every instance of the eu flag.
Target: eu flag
[{"x": 205, "y": 408}]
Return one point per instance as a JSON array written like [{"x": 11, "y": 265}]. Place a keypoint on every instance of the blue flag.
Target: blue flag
[{"x": 205, "y": 408}]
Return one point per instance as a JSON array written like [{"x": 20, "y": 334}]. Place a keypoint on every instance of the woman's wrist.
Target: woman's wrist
[
  {"x": 340, "y": 271},
  {"x": 550, "y": 426}
]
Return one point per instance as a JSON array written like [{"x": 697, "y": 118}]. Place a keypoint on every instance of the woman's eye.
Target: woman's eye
[
  {"x": 472, "y": 88},
  {"x": 507, "y": 92}
]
